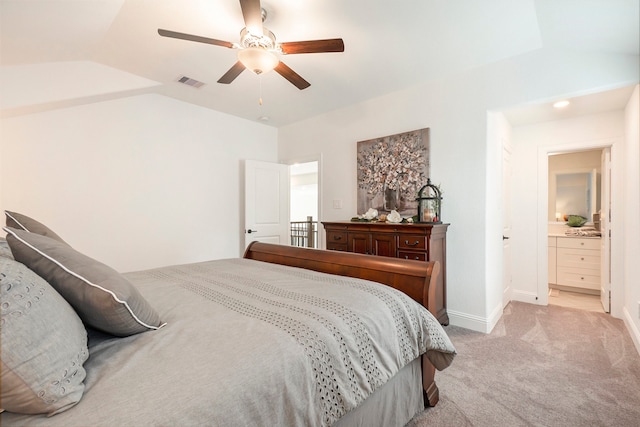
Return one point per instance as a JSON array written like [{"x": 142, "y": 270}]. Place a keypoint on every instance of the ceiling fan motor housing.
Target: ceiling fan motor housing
[
  {"x": 267, "y": 40},
  {"x": 258, "y": 52}
]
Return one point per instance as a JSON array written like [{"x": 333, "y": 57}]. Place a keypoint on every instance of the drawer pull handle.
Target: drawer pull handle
[
  {"x": 337, "y": 237},
  {"x": 582, "y": 278},
  {"x": 582, "y": 259},
  {"x": 406, "y": 242}
]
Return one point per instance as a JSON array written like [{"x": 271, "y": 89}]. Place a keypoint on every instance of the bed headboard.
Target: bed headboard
[{"x": 414, "y": 278}]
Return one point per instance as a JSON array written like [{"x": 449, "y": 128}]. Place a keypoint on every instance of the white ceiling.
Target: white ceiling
[{"x": 388, "y": 45}]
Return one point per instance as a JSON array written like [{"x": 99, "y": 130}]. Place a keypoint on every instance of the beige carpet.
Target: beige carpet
[{"x": 540, "y": 366}]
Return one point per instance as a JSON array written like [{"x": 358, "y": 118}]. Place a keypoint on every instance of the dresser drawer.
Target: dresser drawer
[
  {"x": 578, "y": 243},
  {"x": 406, "y": 241},
  {"x": 337, "y": 247},
  {"x": 418, "y": 256},
  {"x": 579, "y": 258},
  {"x": 336, "y": 237}
]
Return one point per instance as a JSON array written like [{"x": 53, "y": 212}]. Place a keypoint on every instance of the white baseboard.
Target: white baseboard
[
  {"x": 530, "y": 297},
  {"x": 467, "y": 321},
  {"x": 495, "y": 315},
  {"x": 475, "y": 323},
  {"x": 632, "y": 328}
]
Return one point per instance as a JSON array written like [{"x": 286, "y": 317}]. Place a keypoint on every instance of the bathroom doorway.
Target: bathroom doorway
[{"x": 579, "y": 186}]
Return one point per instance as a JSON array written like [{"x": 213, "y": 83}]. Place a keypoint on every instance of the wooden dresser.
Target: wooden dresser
[{"x": 421, "y": 242}]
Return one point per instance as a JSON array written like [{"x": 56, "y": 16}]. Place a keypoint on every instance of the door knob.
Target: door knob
[
  {"x": 505, "y": 238},
  {"x": 252, "y": 231}
]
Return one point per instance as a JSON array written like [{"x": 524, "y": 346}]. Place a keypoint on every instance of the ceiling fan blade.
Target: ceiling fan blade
[
  {"x": 313, "y": 46},
  {"x": 233, "y": 72},
  {"x": 292, "y": 76},
  {"x": 190, "y": 37},
  {"x": 252, "y": 13}
]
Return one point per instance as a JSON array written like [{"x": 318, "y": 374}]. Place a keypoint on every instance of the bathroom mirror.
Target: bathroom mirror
[{"x": 574, "y": 193}]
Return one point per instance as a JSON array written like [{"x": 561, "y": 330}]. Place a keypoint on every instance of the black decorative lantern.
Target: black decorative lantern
[{"x": 429, "y": 203}]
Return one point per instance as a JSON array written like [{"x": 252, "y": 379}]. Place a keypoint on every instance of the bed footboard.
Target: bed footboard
[{"x": 417, "y": 279}]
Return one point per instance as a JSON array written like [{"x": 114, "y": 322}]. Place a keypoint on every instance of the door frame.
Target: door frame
[
  {"x": 617, "y": 243},
  {"x": 306, "y": 159}
]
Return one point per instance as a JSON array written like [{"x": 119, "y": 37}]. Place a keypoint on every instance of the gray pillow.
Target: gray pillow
[
  {"x": 44, "y": 345},
  {"x": 101, "y": 296},
  {"x": 23, "y": 222}
]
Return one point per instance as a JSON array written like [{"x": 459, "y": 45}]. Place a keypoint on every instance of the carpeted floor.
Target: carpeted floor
[{"x": 540, "y": 366}]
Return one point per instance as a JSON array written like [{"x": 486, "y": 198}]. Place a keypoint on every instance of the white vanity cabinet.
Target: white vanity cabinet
[
  {"x": 552, "y": 259},
  {"x": 577, "y": 263}
]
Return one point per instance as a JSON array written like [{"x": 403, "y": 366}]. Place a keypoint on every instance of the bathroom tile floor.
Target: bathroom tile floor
[{"x": 575, "y": 300}]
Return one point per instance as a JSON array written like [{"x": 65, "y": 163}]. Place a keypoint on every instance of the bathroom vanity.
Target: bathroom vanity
[{"x": 574, "y": 263}]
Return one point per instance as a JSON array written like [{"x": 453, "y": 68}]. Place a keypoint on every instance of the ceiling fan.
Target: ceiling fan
[{"x": 258, "y": 50}]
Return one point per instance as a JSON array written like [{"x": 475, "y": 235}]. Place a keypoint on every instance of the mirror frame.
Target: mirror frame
[{"x": 552, "y": 192}]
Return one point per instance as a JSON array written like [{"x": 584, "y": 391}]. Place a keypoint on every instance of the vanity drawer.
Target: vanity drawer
[
  {"x": 412, "y": 242},
  {"x": 578, "y": 243},
  {"x": 579, "y": 258},
  {"x": 573, "y": 277}
]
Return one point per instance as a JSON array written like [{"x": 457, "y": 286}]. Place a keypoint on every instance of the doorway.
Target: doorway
[
  {"x": 578, "y": 255},
  {"x": 304, "y": 204},
  {"x": 609, "y": 270}
]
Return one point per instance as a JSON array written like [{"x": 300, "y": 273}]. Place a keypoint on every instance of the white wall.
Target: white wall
[
  {"x": 136, "y": 182},
  {"x": 632, "y": 216},
  {"x": 456, "y": 111},
  {"x": 531, "y": 144}
]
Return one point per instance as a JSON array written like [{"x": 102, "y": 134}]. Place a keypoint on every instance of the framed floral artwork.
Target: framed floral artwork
[{"x": 391, "y": 170}]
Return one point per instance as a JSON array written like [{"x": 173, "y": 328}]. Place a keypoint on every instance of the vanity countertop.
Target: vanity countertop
[
  {"x": 572, "y": 236},
  {"x": 561, "y": 229}
]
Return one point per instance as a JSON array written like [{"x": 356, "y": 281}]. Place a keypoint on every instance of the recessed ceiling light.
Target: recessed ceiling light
[
  {"x": 264, "y": 118},
  {"x": 561, "y": 104}
]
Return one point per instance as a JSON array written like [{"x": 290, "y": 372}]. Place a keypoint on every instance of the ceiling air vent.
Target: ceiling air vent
[{"x": 190, "y": 82}]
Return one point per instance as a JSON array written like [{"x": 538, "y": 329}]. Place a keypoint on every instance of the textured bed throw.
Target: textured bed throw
[{"x": 251, "y": 343}]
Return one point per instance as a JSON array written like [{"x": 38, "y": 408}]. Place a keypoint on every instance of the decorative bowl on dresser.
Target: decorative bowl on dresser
[{"x": 417, "y": 241}]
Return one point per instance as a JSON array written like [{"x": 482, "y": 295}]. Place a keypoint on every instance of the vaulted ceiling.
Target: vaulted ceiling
[{"x": 97, "y": 49}]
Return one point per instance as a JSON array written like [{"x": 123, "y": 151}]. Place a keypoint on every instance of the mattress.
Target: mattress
[{"x": 252, "y": 343}]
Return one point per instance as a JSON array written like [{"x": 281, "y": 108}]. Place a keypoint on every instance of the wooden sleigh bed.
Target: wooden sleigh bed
[
  {"x": 247, "y": 341},
  {"x": 416, "y": 279}
]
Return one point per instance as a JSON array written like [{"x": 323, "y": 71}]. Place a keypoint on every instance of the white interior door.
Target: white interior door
[
  {"x": 266, "y": 202},
  {"x": 506, "y": 225},
  {"x": 605, "y": 227}
]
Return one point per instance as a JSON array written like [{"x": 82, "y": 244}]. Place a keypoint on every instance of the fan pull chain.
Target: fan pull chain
[{"x": 260, "y": 98}]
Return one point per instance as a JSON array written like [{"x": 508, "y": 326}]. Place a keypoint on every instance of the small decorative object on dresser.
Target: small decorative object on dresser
[
  {"x": 419, "y": 242},
  {"x": 429, "y": 203}
]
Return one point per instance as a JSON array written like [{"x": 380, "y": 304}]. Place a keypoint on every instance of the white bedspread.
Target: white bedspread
[{"x": 250, "y": 343}]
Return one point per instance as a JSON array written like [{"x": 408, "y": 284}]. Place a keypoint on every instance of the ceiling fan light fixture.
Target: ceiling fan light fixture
[{"x": 257, "y": 59}]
